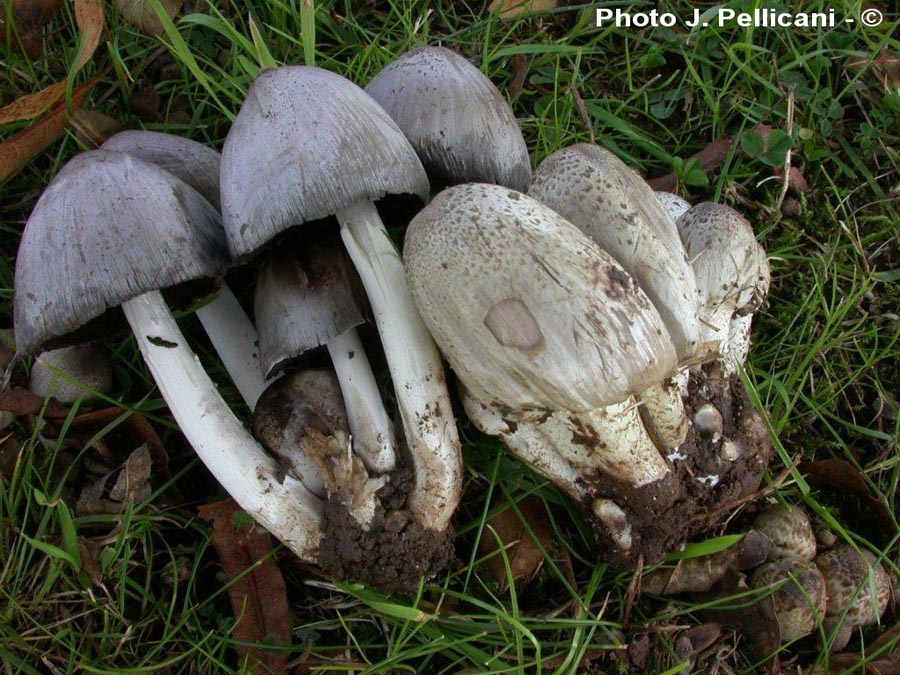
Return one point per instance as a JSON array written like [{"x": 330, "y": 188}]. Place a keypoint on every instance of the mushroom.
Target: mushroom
[
  {"x": 608, "y": 201},
  {"x": 858, "y": 589},
  {"x": 71, "y": 373},
  {"x": 542, "y": 328},
  {"x": 673, "y": 204},
  {"x": 118, "y": 231},
  {"x": 224, "y": 320},
  {"x": 789, "y": 530},
  {"x": 308, "y": 144},
  {"x": 732, "y": 277},
  {"x": 305, "y": 298},
  {"x": 460, "y": 125},
  {"x": 798, "y": 596}
]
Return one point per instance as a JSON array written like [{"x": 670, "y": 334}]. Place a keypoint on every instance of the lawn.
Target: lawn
[{"x": 137, "y": 584}]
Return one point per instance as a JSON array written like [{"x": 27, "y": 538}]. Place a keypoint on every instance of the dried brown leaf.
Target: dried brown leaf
[
  {"x": 259, "y": 597},
  {"x": 20, "y": 401},
  {"x": 141, "y": 15},
  {"x": 510, "y": 9},
  {"x": 132, "y": 484},
  {"x": 507, "y": 531},
  {"x": 90, "y": 19},
  {"x": 30, "y": 15},
  {"x": 93, "y": 128},
  {"x": 844, "y": 478},
  {"x": 17, "y": 151},
  {"x": 710, "y": 157},
  {"x": 31, "y": 105},
  {"x": 145, "y": 101}
]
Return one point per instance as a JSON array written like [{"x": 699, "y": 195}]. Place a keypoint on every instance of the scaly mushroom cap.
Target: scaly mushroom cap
[
  {"x": 459, "y": 123},
  {"x": 800, "y": 599},
  {"x": 306, "y": 295},
  {"x": 532, "y": 315},
  {"x": 192, "y": 162},
  {"x": 306, "y": 144},
  {"x": 673, "y": 204},
  {"x": 609, "y": 202},
  {"x": 850, "y": 578},
  {"x": 730, "y": 267},
  {"x": 108, "y": 228},
  {"x": 86, "y": 364},
  {"x": 789, "y": 530}
]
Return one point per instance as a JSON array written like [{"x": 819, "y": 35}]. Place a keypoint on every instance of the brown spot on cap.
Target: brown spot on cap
[{"x": 513, "y": 325}]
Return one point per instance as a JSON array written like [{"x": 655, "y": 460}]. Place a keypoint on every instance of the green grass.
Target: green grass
[{"x": 825, "y": 364}]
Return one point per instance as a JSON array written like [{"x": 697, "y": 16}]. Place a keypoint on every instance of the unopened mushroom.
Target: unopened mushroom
[
  {"x": 224, "y": 320},
  {"x": 790, "y": 532},
  {"x": 458, "y": 122},
  {"x": 858, "y": 589},
  {"x": 70, "y": 373},
  {"x": 608, "y": 201},
  {"x": 732, "y": 276},
  {"x": 799, "y": 596},
  {"x": 541, "y": 326},
  {"x": 306, "y": 145},
  {"x": 118, "y": 231},
  {"x": 305, "y": 298},
  {"x": 673, "y": 204}
]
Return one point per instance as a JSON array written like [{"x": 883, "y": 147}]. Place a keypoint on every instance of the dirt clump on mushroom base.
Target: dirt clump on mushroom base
[
  {"x": 709, "y": 472},
  {"x": 394, "y": 553}
]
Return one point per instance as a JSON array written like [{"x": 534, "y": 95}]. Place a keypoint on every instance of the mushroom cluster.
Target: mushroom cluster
[{"x": 593, "y": 332}]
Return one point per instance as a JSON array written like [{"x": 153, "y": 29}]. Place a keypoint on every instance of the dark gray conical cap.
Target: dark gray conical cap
[
  {"x": 306, "y": 144},
  {"x": 459, "y": 123},
  {"x": 192, "y": 162},
  {"x": 108, "y": 228},
  {"x": 306, "y": 295}
]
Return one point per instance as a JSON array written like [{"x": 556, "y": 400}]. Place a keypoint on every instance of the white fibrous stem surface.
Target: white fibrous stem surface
[
  {"x": 415, "y": 366},
  {"x": 373, "y": 433},
  {"x": 236, "y": 342},
  {"x": 664, "y": 412},
  {"x": 280, "y": 503}
]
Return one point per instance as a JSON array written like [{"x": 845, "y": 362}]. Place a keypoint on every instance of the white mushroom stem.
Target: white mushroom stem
[
  {"x": 281, "y": 504},
  {"x": 738, "y": 343},
  {"x": 415, "y": 366},
  {"x": 234, "y": 338},
  {"x": 664, "y": 414},
  {"x": 373, "y": 433}
]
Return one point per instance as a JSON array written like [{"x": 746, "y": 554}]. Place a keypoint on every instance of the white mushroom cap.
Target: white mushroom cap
[
  {"x": 674, "y": 204},
  {"x": 108, "y": 228},
  {"x": 306, "y": 144},
  {"x": 306, "y": 295},
  {"x": 609, "y": 202},
  {"x": 82, "y": 369},
  {"x": 532, "y": 315},
  {"x": 192, "y": 162},
  {"x": 459, "y": 123}
]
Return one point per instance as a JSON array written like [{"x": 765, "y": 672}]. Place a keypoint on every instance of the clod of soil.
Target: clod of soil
[
  {"x": 708, "y": 472},
  {"x": 394, "y": 553}
]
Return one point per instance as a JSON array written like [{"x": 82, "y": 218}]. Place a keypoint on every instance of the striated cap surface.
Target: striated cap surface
[
  {"x": 306, "y": 144},
  {"x": 108, "y": 228},
  {"x": 459, "y": 123},
  {"x": 532, "y": 315}
]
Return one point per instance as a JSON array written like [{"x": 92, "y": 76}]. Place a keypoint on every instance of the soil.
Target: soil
[
  {"x": 701, "y": 485},
  {"x": 394, "y": 553}
]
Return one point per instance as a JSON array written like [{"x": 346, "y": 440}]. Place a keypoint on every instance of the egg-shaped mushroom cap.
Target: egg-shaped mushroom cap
[
  {"x": 532, "y": 315},
  {"x": 672, "y": 203},
  {"x": 459, "y": 123},
  {"x": 306, "y": 295},
  {"x": 595, "y": 190},
  {"x": 108, "y": 228},
  {"x": 306, "y": 144},
  {"x": 856, "y": 583},
  {"x": 730, "y": 267},
  {"x": 192, "y": 162}
]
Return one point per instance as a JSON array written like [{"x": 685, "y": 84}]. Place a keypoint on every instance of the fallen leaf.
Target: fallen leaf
[
  {"x": 844, "y": 478},
  {"x": 698, "y": 575},
  {"x": 510, "y": 9},
  {"x": 141, "y": 15},
  {"x": 710, "y": 157},
  {"x": 696, "y": 639},
  {"x": 22, "y": 147},
  {"x": 29, "y": 18},
  {"x": 90, "y": 19},
  {"x": 20, "y": 402},
  {"x": 93, "y": 128},
  {"x": 507, "y": 531},
  {"x": 145, "y": 101},
  {"x": 132, "y": 485},
  {"x": 259, "y": 597},
  {"x": 31, "y": 105}
]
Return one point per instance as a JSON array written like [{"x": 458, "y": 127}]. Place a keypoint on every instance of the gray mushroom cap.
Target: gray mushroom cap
[
  {"x": 306, "y": 144},
  {"x": 532, "y": 315},
  {"x": 88, "y": 365},
  {"x": 304, "y": 299},
  {"x": 108, "y": 228},
  {"x": 192, "y": 162},
  {"x": 609, "y": 202},
  {"x": 459, "y": 123},
  {"x": 731, "y": 268}
]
